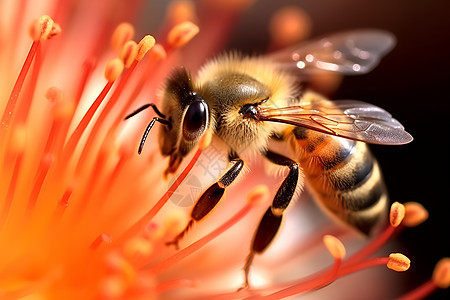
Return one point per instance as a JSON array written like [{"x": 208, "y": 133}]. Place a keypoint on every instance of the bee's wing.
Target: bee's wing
[
  {"x": 350, "y": 119},
  {"x": 350, "y": 52}
]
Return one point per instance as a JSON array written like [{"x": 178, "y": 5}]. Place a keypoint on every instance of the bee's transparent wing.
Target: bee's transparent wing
[
  {"x": 350, "y": 52},
  {"x": 350, "y": 119}
]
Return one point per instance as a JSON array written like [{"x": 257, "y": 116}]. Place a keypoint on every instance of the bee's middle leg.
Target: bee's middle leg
[
  {"x": 209, "y": 199},
  {"x": 271, "y": 221}
]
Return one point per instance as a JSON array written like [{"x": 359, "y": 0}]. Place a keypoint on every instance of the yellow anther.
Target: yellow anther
[
  {"x": 54, "y": 94},
  {"x": 122, "y": 34},
  {"x": 415, "y": 214},
  {"x": 113, "y": 69},
  {"x": 144, "y": 46},
  {"x": 128, "y": 53},
  {"x": 259, "y": 194},
  {"x": 441, "y": 273},
  {"x": 398, "y": 262},
  {"x": 44, "y": 28},
  {"x": 157, "y": 52},
  {"x": 289, "y": 25},
  {"x": 334, "y": 246},
  {"x": 180, "y": 11},
  {"x": 397, "y": 214},
  {"x": 182, "y": 33}
]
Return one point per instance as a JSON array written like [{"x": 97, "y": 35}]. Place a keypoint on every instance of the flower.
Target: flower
[{"x": 83, "y": 216}]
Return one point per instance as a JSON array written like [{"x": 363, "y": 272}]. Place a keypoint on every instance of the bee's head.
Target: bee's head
[{"x": 187, "y": 112}]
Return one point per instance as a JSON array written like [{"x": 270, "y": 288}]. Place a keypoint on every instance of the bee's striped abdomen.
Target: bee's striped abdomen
[{"x": 344, "y": 177}]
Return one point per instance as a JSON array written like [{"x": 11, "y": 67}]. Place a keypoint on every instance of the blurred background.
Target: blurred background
[{"x": 411, "y": 82}]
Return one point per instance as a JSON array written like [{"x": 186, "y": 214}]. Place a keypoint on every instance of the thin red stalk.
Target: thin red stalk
[
  {"x": 319, "y": 280},
  {"x": 61, "y": 206},
  {"x": 348, "y": 269},
  {"x": 173, "y": 284},
  {"x": 420, "y": 292},
  {"x": 75, "y": 137},
  {"x": 103, "y": 114},
  {"x": 44, "y": 166},
  {"x": 197, "y": 245},
  {"x": 25, "y": 103},
  {"x": 372, "y": 246},
  {"x": 9, "y": 109},
  {"x": 11, "y": 189},
  {"x": 155, "y": 209}
]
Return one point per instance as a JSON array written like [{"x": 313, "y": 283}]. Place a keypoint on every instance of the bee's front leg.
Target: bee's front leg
[
  {"x": 271, "y": 221},
  {"x": 209, "y": 199}
]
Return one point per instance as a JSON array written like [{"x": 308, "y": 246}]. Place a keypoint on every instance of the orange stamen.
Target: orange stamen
[
  {"x": 181, "y": 34},
  {"x": 397, "y": 214},
  {"x": 122, "y": 34},
  {"x": 144, "y": 46},
  {"x": 113, "y": 69},
  {"x": 398, "y": 262},
  {"x": 440, "y": 279},
  {"x": 128, "y": 53},
  {"x": 334, "y": 246},
  {"x": 101, "y": 239},
  {"x": 441, "y": 273},
  {"x": 415, "y": 214},
  {"x": 9, "y": 109}
]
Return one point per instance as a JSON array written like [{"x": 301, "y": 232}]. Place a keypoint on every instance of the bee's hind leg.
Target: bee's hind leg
[
  {"x": 271, "y": 221},
  {"x": 209, "y": 199}
]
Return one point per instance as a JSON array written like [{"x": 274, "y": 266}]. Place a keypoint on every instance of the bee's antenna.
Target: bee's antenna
[
  {"x": 149, "y": 127},
  {"x": 143, "y": 107}
]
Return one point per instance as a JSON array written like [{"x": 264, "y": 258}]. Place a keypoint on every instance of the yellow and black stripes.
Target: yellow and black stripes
[{"x": 344, "y": 177}]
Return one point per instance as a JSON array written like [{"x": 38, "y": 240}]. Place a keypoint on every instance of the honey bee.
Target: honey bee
[{"x": 249, "y": 101}]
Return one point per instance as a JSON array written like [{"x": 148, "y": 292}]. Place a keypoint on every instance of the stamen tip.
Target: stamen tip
[
  {"x": 397, "y": 214},
  {"x": 441, "y": 273},
  {"x": 129, "y": 53},
  {"x": 398, "y": 262},
  {"x": 122, "y": 34},
  {"x": 289, "y": 25},
  {"x": 205, "y": 140},
  {"x": 158, "y": 52},
  {"x": 182, "y": 33},
  {"x": 144, "y": 46},
  {"x": 259, "y": 194},
  {"x": 415, "y": 214},
  {"x": 334, "y": 246},
  {"x": 113, "y": 69},
  {"x": 181, "y": 10},
  {"x": 44, "y": 28}
]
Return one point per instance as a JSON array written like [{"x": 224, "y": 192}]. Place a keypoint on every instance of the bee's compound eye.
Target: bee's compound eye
[{"x": 195, "y": 120}]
